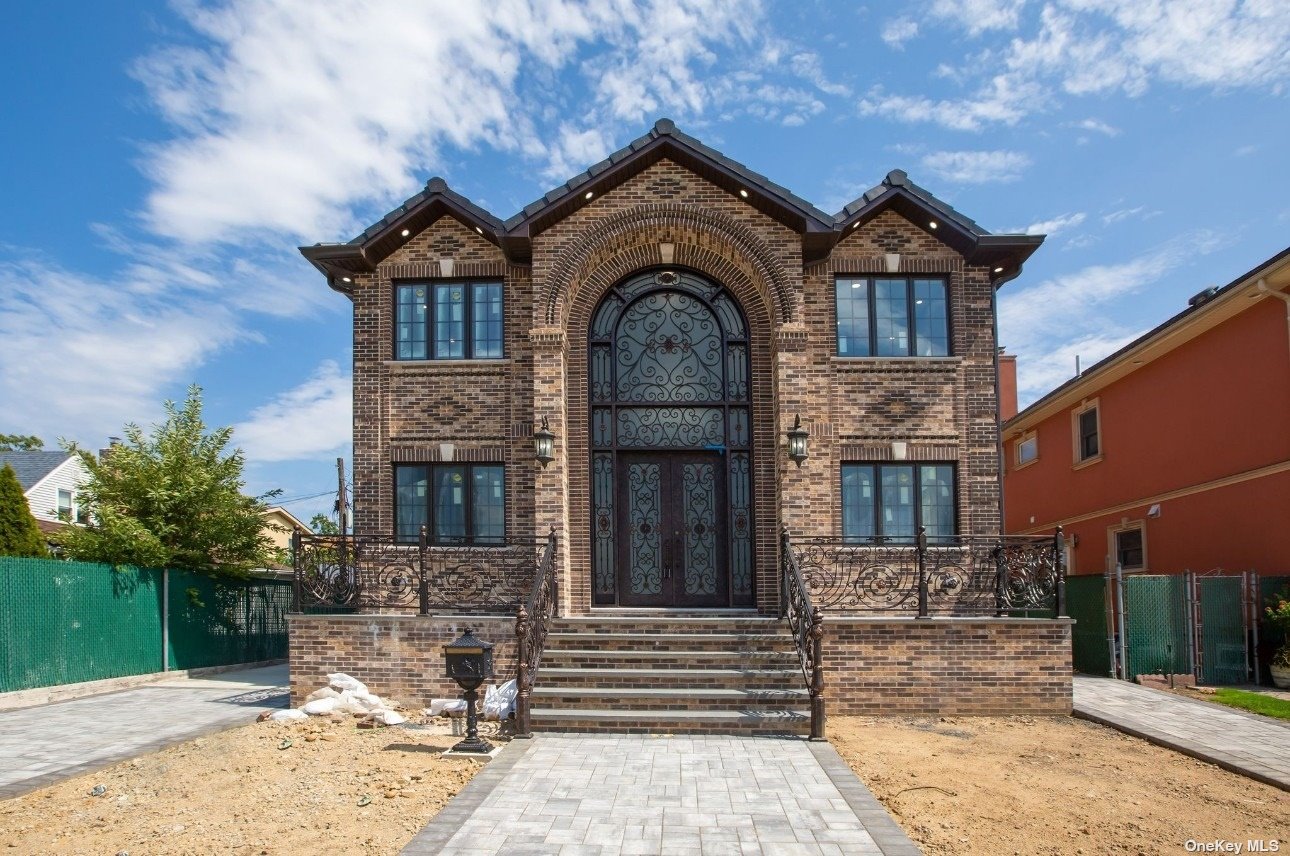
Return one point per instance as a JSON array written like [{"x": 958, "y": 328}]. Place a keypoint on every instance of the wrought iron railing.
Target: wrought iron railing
[
  {"x": 375, "y": 572},
  {"x": 532, "y": 620},
  {"x": 963, "y": 575},
  {"x": 807, "y": 624}
]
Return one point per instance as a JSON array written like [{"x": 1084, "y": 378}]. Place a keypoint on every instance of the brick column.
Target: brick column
[{"x": 551, "y": 483}]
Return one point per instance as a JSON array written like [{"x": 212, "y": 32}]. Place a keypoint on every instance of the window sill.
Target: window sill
[
  {"x": 1087, "y": 462},
  {"x": 897, "y": 362},
  {"x": 1029, "y": 463},
  {"x": 446, "y": 365}
]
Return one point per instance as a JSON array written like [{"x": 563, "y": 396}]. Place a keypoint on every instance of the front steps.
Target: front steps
[{"x": 659, "y": 672}]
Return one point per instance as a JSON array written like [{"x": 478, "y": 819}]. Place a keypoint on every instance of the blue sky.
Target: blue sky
[{"x": 162, "y": 162}]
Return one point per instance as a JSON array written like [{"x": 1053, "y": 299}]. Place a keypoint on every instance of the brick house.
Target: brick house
[{"x": 669, "y": 316}]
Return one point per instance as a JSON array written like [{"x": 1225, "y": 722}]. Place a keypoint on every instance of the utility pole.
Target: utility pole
[{"x": 342, "y": 505}]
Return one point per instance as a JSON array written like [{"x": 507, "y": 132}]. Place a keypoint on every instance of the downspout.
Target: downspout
[
  {"x": 998, "y": 411},
  {"x": 1285, "y": 298}
]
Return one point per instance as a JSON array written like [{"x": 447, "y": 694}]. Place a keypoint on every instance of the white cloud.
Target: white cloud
[
  {"x": 977, "y": 167},
  {"x": 1097, "y": 126},
  {"x": 309, "y": 422},
  {"x": 1052, "y": 226},
  {"x": 898, "y": 31},
  {"x": 82, "y": 356},
  {"x": 1040, "y": 373},
  {"x": 1089, "y": 47},
  {"x": 288, "y": 117},
  {"x": 1122, "y": 214}
]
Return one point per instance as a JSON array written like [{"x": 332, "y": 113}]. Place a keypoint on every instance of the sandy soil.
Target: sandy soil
[
  {"x": 335, "y": 788},
  {"x": 1050, "y": 785}
]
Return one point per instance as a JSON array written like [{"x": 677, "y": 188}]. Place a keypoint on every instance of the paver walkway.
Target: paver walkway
[
  {"x": 46, "y": 744},
  {"x": 1245, "y": 743},
  {"x": 627, "y": 794}
]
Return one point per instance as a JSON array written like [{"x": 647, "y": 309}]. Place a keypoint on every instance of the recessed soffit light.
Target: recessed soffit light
[
  {"x": 932, "y": 224},
  {"x": 407, "y": 232},
  {"x": 479, "y": 230},
  {"x": 998, "y": 270},
  {"x": 587, "y": 195},
  {"x": 346, "y": 279},
  {"x": 743, "y": 193}
]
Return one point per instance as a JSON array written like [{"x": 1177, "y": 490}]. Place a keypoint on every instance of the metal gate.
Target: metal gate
[
  {"x": 1091, "y": 645},
  {"x": 1221, "y": 620},
  {"x": 1155, "y": 630}
]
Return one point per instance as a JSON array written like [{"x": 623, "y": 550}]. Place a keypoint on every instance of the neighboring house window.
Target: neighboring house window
[
  {"x": 1027, "y": 450},
  {"x": 448, "y": 321},
  {"x": 1130, "y": 548},
  {"x": 892, "y": 317},
  {"x": 1088, "y": 434},
  {"x": 65, "y": 505},
  {"x": 457, "y": 503},
  {"x": 82, "y": 512},
  {"x": 890, "y": 501}
]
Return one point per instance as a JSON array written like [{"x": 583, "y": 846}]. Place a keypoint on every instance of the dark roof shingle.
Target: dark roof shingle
[{"x": 31, "y": 467}]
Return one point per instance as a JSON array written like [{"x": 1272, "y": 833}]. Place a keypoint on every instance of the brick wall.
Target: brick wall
[
  {"x": 944, "y": 408},
  {"x": 987, "y": 666},
  {"x": 397, "y": 656}
]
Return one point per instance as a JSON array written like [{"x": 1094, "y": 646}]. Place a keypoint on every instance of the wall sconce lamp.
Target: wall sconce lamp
[
  {"x": 797, "y": 436},
  {"x": 544, "y": 444}
]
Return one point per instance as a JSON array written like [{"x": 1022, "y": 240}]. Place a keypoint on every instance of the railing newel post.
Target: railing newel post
[
  {"x": 1000, "y": 580},
  {"x": 423, "y": 585},
  {"x": 785, "y": 545},
  {"x": 1059, "y": 570},
  {"x": 921, "y": 549},
  {"x": 295, "y": 571},
  {"x": 522, "y": 673},
  {"x": 817, "y": 674}
]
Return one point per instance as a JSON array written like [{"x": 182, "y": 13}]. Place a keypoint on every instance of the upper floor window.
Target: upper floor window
[
  {"x": 1088, "y": 433},
  {"x": 65, "y": 505},
  {"x": 448, "y": 321},
  {"x": 1027, "y": 449},
  {"x": 892, "y": 317},
  {"x": 457, "y": 503},
  {"x": 890, "y": 501}
]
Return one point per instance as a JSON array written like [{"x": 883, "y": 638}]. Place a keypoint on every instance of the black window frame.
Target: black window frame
[
  {"x": 1141, "y": 548},
  {"x": 468, "y": 318},
  {"x": 1082, "y": 437},
  {"x": 468, "y": 503},
  {"x": 878, "y": 537},
  {"x": 910, "y": 317}
]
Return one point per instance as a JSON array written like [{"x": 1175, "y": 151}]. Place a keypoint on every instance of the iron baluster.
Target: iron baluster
[
  {"x": 922, "y": 572},
  {"x": 1000, "y": 582},
  {"x": 522, "y": 682},
  {"x": 423, "y": 585},
  {"x": 1059, "y": 569},
  {"x": 817, "y": 674}
]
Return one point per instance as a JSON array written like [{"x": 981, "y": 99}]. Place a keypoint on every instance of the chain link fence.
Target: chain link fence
[{"x": 66, "y": 622}]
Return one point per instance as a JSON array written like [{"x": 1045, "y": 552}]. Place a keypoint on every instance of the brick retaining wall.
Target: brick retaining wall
[
  {"x": 972, "y": 666},
  {"x": 397, "y": 656}
]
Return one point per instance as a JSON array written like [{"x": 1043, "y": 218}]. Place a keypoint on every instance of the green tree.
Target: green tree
[
  {"x": 171, "y": 499},
  {"x": 19, "y": 534},
  {"x": 323, "y": 525},
  {"x": 20, "y": 443}
]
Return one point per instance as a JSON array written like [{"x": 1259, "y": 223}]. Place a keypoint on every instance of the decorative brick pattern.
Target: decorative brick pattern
[
  {"x": 987, "y": 667},
  {"x": 397, "y": 656}
]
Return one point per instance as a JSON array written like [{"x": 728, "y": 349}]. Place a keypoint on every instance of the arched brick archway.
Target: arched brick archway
[{"x": 712, "y": 256}]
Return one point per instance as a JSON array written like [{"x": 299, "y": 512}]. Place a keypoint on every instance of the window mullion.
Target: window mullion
[
  {"x": 911, "y": 318},
  {"x": 871, "y": 303},
  {"x": 468, "y": 316}
]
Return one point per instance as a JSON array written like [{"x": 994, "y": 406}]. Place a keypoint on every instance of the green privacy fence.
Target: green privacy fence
[
  {"x": 1221, "y": 618},
  {"x": 1155, "y": 612},
  {"x": 1086, "y": 603},
  {"x": 65, "y": 622}
]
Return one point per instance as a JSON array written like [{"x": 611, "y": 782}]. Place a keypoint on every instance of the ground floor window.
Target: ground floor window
[
  {"x": 890, "y": 501},
  {"x": 457, "y": 503},
  {"x": 1130, "y": 549}
]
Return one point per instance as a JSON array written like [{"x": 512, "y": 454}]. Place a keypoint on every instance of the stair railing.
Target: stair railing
[
  {"x": 532, "y": 620},
  {"x": 807, "y": 624}
]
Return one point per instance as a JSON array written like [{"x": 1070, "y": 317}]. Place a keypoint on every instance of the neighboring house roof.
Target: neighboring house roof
[
  {"x": 1005, "y": 254},
  {"x": 1205, "y": 310},
  {"x": 32, "y": 467},
  {"x": 286, "y": 518}
]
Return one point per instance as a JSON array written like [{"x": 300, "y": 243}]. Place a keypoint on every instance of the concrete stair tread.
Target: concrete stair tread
[
  {"x": 761, "y": 715},
  {"x": 650, "y": 692},
  {"x": 598, "y": 671}
]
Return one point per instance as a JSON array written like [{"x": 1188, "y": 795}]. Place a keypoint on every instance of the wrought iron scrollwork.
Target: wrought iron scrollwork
[
  {"x": 806, "y": 622},
  {"x": 532, "y": 620}
]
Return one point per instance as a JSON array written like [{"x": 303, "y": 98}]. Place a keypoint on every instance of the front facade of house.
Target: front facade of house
[
  {"x": 51, "y": 482},
  {"x": 669, "y": 316},
  {"x": 1173, "y": 454}
]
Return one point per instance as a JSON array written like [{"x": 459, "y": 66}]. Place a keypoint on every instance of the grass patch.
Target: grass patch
[{"x": 1255, "y": 702}]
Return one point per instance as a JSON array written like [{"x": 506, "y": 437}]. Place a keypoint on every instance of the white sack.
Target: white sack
[
  {"x": 287, "y": 715},
  {"x": 325, "y": 692},
  {"x": 499, "y": 702},
  {"x": 388, "y": 717},
  {"x": 321, "y": 707},
  {"x": 341, "y": 682}
]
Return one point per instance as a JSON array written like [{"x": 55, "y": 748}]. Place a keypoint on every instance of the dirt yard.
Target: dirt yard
[
  {"x": 333, "y": 788},
  {"x": 1023, "y": 785}
]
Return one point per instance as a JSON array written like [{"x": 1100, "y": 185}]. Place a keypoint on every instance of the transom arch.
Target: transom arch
[{"x": 707, "y": 240}]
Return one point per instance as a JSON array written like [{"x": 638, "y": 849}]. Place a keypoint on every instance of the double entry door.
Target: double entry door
[{"x": 672, "y": 513}]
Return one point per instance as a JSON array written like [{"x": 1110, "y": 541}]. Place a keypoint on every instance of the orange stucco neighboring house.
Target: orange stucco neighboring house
[{"x": 1173, "y": 453}]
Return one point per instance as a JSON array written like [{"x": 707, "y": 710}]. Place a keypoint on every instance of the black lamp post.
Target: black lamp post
[
  {"x": 469, "y": 662},
  {"x": 797, "y": 436},
  {"x": 544, "y": 443}
]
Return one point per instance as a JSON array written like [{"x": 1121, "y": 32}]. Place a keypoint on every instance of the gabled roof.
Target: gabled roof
[
  {"x": 920, "y": 207},
  {"x": 31, "y": 467},
  {"x": 819, "y": 231}
]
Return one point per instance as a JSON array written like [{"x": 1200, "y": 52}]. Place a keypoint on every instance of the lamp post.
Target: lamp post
[
  {"x": 797, "y": 436},
  {"x": 469, "y": 662},
  {"x": 544, "y": 444}
]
